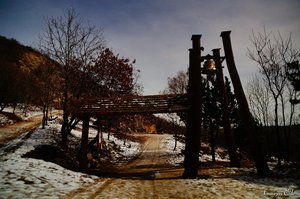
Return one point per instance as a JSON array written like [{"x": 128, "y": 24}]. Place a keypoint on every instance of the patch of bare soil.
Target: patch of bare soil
[{"x": 10, "y": 132}]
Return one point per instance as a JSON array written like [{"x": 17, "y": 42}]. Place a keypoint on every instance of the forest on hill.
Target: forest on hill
[
  {"x": 28, "y": 76},
  {"x": 23, "y": 73}
]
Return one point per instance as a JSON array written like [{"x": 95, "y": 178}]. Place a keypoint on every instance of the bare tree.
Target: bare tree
[
  {"x": 74, "y": 46},
  {"x": 47, "y": 80},
  {"x": 178, "y": 84},
  {"x": 259, "y": 100},
  {"x": 293, "y": 74},
  {"x": 272, "y": 53}
]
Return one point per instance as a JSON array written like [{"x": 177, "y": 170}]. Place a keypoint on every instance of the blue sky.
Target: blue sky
[{"x": 157, "y": 33}]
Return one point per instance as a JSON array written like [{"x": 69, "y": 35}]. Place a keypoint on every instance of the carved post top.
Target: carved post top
[
  {"x": 196, "y": 41},
  {"x": 216, "y": 50},
  {"x": 196, "y": 37},
  {"x": 225, "y": 33}
]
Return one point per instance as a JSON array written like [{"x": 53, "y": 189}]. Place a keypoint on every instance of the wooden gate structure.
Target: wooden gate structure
[
  {"x": 190, "y": 103},
  {"x": 122, "y": 105}
]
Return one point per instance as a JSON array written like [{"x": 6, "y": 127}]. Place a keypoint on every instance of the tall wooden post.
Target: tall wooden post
[
  {"x": 255, "y": 148},
  {"x": 192, "y": 147},
  {"x": 83, "y": 161},
  {"x": 234, "y": 161}
]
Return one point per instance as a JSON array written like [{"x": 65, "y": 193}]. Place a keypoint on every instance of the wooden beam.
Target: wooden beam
[
  {"x": 131, "y": 105},
  {"x": 194, "y": 118},
  {"x": 83, "y": 161},
  {"x": 234, "y": 161}
]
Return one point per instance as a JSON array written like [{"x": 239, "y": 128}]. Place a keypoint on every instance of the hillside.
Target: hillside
[
  {"x": 21, "y": 70},
  {"x": 12, "y": 53}
]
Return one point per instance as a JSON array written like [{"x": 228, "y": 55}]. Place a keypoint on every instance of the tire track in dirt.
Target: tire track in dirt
[
  {"x": 104, "y": 186},
  {"x": 90, "y": 190}
]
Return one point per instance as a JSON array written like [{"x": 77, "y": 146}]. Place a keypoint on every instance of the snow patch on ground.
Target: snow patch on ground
[
  {"x": 31, "y": 112},
  {"x": 176, "y": 156},
  {"x": 32, "y": 178},
  {"x": 125, "y": 151}
]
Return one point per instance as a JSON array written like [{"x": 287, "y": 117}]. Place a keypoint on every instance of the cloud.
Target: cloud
[
  {"x": 157, "y": 33},
  {"x": 159, "y": 38}
]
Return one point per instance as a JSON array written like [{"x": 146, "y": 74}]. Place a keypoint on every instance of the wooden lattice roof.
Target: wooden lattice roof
[{"x": 131, "y": 105}]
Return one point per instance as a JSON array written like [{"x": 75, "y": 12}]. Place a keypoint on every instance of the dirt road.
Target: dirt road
[
  {"x": 10, "y": 132},
  {"x": 149, "y": 176},
  {"x": 151, "y": 160}
]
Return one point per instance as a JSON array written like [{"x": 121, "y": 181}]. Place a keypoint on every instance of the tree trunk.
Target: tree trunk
[
  {"x": 44, "y": 116},
  {"x": 277, "y": 134},
  {"x": 175, "y": 145},
  {"x": 47, "y": 114},
  {"x": 2, "y": 106},
  {"x": 212, "y": 142},
  {"x": 63, "y": 131},
  {"x": 255, "y": 148},
  {"x": 284, "y": 144},
  {"x": 175, "y": 133},
  {"x": 292, "y": 111},
  {"x": 64, "y": 127}
]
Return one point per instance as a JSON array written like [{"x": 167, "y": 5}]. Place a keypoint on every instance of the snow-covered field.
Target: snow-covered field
[{"x": 32, "y": 178}]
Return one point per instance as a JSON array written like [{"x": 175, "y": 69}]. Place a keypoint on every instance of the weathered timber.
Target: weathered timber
[
  {"x": 255, "y": 148},
  {"x": 131, "y": 105},
  {"x": 234, "y": 161},
  {"x": 192, "y": 144},
  {"x": 83, "y": 161}
]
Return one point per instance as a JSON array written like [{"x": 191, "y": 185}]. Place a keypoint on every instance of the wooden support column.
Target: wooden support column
[
  {"x": 255, "y": 147},
  {"x": 192, "y": 144},
  {"x": 83, "y": 161},
  {"x": 234, "y": 161}
]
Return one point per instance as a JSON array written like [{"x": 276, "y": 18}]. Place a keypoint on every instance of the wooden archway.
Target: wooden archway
[
  {"x": 190, "y": 102},
  {"x": 85, "y": 109}
]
